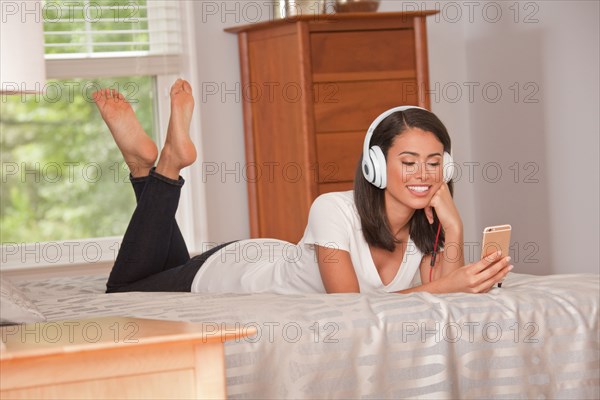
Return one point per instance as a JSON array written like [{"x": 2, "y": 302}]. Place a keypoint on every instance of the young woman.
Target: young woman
[{"x": 369, "y": 239}]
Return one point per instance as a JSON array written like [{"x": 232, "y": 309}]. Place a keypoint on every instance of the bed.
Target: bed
[{"x": 536, "y": 337}]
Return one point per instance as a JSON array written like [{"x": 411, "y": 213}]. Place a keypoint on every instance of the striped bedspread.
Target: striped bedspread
[{"x": 536, "y": 337}]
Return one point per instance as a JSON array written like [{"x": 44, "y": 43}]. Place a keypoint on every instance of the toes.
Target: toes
[
  {"x": 187, "y": 87},
  {"x": 177, "y": 86},
  {"x": 104, "y": 95},
  {"x": 181, "y": 85},
  {"x": 100, "y": 98}
]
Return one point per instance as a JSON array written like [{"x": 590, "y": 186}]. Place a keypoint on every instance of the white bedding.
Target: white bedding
[{"x": 536, "y": 337}]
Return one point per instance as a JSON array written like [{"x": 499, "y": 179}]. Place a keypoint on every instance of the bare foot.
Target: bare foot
[
  {"x": 179, "y": 150},
  {"x": 139, "y": 151}
]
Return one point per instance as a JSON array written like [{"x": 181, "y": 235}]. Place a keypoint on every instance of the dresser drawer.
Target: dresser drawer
[
  {"x": 338, "y": 155},
  {"x": 352, "y": 106},
  {"x": 366, "y": 51}
]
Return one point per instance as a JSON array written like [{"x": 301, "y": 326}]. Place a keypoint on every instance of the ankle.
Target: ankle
[
  {"x": 139, "y": 171},
  {"x": 168, "y": 165},
  {"x": 168, "y": 170}
]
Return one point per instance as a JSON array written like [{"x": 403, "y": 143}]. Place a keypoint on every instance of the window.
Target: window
[{"x": 65, "y": 191}]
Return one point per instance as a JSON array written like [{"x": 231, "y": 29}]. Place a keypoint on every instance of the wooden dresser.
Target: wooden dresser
[
  {"x": 115, "y": 358},
  {"x": 310, "y": 88}
]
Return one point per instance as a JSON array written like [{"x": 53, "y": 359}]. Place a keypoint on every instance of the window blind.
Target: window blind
[
  {"x": 106, "y": 28},
  {"x": 90, "y": 38}
]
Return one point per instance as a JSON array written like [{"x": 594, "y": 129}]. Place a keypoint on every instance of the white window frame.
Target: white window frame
[{"x": 74, "y": 256}]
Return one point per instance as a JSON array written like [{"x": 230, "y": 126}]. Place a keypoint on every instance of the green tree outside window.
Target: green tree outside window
[{"x": 63, "y": 177}]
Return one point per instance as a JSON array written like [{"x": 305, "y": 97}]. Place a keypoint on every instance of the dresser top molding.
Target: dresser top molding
[{"x": 324, "y": 19}]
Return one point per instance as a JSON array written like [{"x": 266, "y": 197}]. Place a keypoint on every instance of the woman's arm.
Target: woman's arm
[
  {"x": 337, "y": 271},
  {"x": 478, "y": 277},
  {"x": 338, "y": 275},
  {"x": 452, "y": 257}
]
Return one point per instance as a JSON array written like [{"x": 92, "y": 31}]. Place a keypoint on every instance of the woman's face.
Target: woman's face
[{"x": 414, "y": 168}]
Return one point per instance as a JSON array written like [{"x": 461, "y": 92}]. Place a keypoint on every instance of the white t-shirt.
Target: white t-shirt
[{"x": 275, "y": 266}]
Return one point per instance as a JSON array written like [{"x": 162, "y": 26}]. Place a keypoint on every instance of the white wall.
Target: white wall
[
  {"x": 219, "y": 103},
  {"x": 555, "y": 216},
  {"x": 549, "y": 49}
]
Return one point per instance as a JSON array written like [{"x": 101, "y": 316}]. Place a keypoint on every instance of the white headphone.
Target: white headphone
[{"x": 374, "y": 166}]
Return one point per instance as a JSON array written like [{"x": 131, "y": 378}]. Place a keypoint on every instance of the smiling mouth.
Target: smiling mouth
[{"x": 419, "y": 189}]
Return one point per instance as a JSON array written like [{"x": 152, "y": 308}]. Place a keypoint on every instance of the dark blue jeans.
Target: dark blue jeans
[{"x": 153, "y": 256}]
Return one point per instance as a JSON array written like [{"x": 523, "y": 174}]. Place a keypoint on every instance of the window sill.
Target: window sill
[
  {"x": 54, "y": 259},
  {"x": 42, "y": 271}
]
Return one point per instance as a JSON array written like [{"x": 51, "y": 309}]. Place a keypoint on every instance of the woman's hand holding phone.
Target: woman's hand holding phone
[
  {"x": 481, "y": 276},
  {"x": 478, "y": 277}
]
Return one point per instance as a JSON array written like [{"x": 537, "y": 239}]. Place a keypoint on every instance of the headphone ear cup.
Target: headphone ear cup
[
  {"x": 367, "y": 168},
  {"x": 448, "y": 167},
  {"x": 380, "y": 167}
]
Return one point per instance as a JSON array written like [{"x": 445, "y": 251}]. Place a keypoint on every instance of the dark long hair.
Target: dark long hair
[{"x": 370, "y": 200}]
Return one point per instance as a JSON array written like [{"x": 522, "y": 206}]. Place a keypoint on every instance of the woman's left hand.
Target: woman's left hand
[{"x": 445, "y": 209}]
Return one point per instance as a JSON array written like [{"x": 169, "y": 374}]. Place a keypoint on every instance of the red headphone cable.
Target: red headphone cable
[{"x": 434, "y": 252}]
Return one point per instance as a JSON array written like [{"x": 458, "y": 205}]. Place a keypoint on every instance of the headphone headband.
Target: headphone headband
[
  {"x": 377, "y": 121},
  {"x": 373, "y": 162}
]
